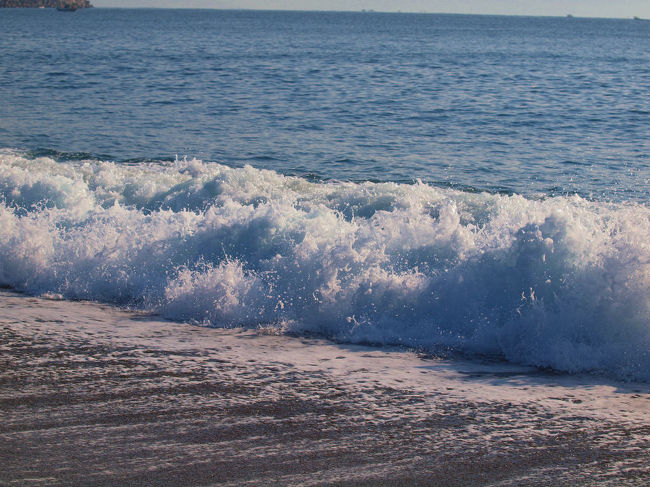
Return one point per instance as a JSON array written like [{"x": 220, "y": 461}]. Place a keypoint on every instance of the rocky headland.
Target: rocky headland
[{"x": 44, "y": 3}]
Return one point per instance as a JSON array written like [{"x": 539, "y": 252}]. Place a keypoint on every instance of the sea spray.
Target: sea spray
[{"x": 558, "y": 282}]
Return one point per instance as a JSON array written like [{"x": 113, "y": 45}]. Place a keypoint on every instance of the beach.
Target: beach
[
  {"x": 308, "y": 248},
  {"x": 95, "y": 395}
]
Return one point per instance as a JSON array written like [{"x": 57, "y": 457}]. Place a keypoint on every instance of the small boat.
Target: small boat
[{"x": 68, "y": 7}]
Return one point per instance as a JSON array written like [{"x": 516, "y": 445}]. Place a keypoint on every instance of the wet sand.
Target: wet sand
[{"x": 91, "y": 395}]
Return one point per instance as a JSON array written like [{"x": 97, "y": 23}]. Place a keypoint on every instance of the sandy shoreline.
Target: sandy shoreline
[{"x": 90, "y": 395}]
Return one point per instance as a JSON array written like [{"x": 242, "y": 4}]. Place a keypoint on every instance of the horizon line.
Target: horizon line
[{"x": 372, "y": 11}]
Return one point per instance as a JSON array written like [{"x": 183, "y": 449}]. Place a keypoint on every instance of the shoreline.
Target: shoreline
[{"x": 93, "y": 395}]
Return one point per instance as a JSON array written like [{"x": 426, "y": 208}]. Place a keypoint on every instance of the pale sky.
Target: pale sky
[{"x": 585, "y": 8}]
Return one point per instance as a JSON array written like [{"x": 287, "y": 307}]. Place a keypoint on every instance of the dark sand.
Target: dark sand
[{"x": 94, "y": 396}]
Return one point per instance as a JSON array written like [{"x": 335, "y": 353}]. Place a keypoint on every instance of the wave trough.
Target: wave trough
[{"x": 560, "y": 282}]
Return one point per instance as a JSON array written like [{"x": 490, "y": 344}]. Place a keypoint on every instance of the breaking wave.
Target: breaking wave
[{"x": 559, "y": 282}]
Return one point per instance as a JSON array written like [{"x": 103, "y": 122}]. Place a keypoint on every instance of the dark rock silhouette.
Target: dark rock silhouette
[{"x": 44, "y": 3}]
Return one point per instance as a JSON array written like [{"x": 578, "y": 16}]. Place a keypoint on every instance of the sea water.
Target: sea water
[{"x": 466, "y": 184}]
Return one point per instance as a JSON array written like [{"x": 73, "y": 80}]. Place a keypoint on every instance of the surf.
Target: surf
[{"x": 557, "y": 282}]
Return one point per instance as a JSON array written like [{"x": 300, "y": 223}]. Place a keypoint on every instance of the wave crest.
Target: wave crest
[{"x": 561, "y": 282}]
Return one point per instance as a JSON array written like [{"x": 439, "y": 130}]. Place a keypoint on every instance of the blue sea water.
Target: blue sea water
[{"x": 466, "y": 183}]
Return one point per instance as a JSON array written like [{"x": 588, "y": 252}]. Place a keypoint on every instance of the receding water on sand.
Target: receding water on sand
[{"x": 92, "y": 395}]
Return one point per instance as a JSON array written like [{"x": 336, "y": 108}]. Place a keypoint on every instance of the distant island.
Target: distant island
[{"x": 44, "y": 3}]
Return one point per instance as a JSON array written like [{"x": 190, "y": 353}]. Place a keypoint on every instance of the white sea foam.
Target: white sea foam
[{"x": 559, "y": 282}]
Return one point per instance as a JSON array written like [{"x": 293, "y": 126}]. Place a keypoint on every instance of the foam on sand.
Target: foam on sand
[{"x": 92, "y": 395}]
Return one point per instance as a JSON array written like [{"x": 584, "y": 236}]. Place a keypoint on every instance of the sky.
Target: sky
[{"x": 578, "y": 8}]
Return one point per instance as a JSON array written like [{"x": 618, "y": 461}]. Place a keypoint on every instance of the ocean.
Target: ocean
[{"x": 471, "y": 186}]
